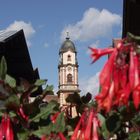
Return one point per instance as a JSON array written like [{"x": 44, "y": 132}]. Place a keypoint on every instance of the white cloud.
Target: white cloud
[
  {"x": 27, "y": 28},
  {"x": 120, "y": 31},
  {"x": 93, "y": 25},
  {"x": 41, "y": 26},
  {"x": 90, "y": 84},
  {"x": 46, "y": 45},
  {"x": 93, "y": 45}
]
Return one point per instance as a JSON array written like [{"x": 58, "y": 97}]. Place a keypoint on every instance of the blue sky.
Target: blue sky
[{"x": 45, "y": 22}]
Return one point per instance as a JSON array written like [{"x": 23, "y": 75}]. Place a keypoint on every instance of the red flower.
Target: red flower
[
  {"x": 106, "y": 73},
  {"x": 107, "y": 102},
  {"x": 131, "y": 69},
  {"x": 89, "y": 126},
  {"x": 136, "y": 92},
  {"x": 136, "y": 72},
  {"x": 44, "y": 138},
  {"x": 22, "y": 114},
  {"x": 136, "y": 98},
  {"x": 116, "y": 79},
  {"x": 95, "y": 128},
  {"x": 75, "y": 133},
  {"x": 6, "y": 128},
  {"x": 107, "y": 89},
  {"x": 110, "y": 97},
  {"x": 123, "y": 76},
  {"x": 54, "y": 117},
  {"x": 61, "y": 136},
  {"x": 9, "y": 132},
  {"x": 122, "y": 96},
  {"x": 1, "y": 133},
  {"x": 97, "y": 53}
]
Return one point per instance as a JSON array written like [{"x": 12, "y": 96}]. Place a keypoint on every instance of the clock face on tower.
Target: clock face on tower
[{"x": 69, "y": 68}]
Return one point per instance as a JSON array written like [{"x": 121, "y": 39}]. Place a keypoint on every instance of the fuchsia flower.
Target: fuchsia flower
[
  {"x": 95, "y": 128},
  {"x": 22, "y": 114},
  {"x": 118, "y": 78},
  {"x": 44, "y": 138},
  {"x": 105, "y": 75},
  {"x": 85, "y": 133},
  {"x": 89, "y": 126},
  {"x": 61, "y": 136},
  {"x": 136, "y": 72},
  {"x": 122, "y": 96},
  {"x": 54, "y": 117},
  {"x": 6, "y": 130},
  {"x": 97, "y": 53},
  {"x": 136, "y": 92},
  {"x": 105, "y": 97},
  {"x": 131, "y": 69},
  {"x": 123, "y": 76},
  {"x": 75, "y": 133}
]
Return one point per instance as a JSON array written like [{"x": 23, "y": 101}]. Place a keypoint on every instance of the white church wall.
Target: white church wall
[{"x": 65, "y": 57}]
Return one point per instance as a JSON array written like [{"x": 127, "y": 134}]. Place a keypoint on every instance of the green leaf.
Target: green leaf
[
  {"x": 12, "y": 114},
  {"x": 34, "y": 89},
  {"x": 59, "y": 125},
  {"x": 40, "y": 82},
  {"x": 138, "y": 50},
  {"x": 43, "y": 130},
  {"x": 134, "y": 37},
  {"x": 136, "y": 119},
  {"x": 69, "y": 128},
  {"x": 92, "y": 104},
  {"x": 134, "y": 136},
  {"x": 113, "y": 123},
  {"x": 20, "y": 89},
  {"x": 86, "y": 98},
  {"x": 10, "y": 81},
  {"x": 48, "y": 88},
  {"x": 104, "y": 130},
  {"x": 100, "y": 88},
  {"x": 44, "y": 112},
  {"x": 1, "y": 114},
  {"x": 3, "y": 68},
  {"x": 23, "y": 135},
  {"x": 12, "y": 102}
]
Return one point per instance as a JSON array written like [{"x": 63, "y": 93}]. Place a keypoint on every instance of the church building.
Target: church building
[{"x": 67, "y": 71}]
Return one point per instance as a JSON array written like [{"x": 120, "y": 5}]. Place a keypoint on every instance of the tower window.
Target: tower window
[
  {"x": 69, "y": 58},
  {"x": 69, "y": 78}
]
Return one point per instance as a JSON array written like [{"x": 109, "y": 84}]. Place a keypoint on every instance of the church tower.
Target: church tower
[{"x": 68, "y": 70}]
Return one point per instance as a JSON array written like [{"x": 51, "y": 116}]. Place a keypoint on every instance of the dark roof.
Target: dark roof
[
  {"x": 67, "y": 45},
  {"x": 49, "y": 98},
  {"x": 6, "y": 34},
  {"x": 14, "y": 48}
]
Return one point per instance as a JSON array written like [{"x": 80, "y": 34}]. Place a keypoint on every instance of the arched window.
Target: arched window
[
  {"x": 69, "y": 78},
  {"x": 69, "y": 58}
]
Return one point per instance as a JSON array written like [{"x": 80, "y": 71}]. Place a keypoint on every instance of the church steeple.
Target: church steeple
[
  {"x": 68, "y": 70},
  {"x": 67, "y": 45}
]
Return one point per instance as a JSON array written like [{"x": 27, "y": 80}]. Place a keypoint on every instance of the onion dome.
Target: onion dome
[{"x": 67, "y": 45}]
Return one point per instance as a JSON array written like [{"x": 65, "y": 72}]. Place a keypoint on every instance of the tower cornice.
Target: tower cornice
[{"x": 69, "y": 64}]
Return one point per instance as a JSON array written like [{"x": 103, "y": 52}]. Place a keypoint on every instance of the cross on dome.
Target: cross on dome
[{"x": 68, "y": 36}]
